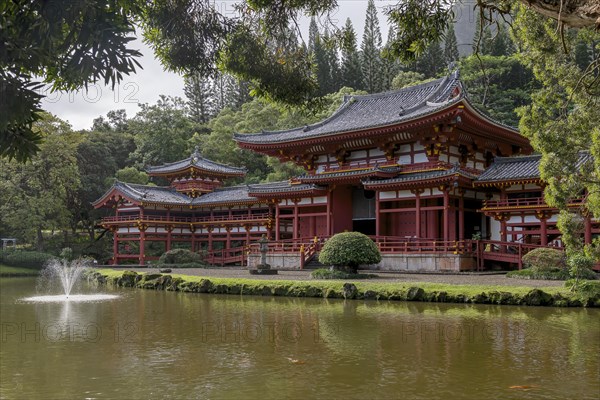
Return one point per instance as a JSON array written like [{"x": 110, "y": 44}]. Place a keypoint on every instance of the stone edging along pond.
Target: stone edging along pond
[{"x": 504, "y": 295}]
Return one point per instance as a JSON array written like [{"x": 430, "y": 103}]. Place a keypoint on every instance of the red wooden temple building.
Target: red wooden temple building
[{"x": 420, "y": 170}]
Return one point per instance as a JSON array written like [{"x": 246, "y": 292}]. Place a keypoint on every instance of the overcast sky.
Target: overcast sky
[{"x": 80, "y": 108}]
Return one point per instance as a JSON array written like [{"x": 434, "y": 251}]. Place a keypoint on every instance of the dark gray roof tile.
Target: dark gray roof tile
[
  {"x": 368, "y": 111},
  {"x": 197, "y": 161}
]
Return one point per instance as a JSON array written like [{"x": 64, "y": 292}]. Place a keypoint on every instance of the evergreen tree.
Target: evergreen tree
[
  {"x": 313, "y": 33},
  {"x": 351, "y": 66},
  {"x": 370, "y": 46},
  {"x": 389, "y": 66},
  {"x": 200, "y": 101},
  {"x": 431, "y": 63},
  {"x": 482, "y": 41},
  {"x": 333, "y": 65},
  {"x": 451, "y": 46},
  {"x": 501, "y": 44}
]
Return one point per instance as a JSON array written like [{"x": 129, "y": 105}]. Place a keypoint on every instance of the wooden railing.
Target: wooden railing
[
  {"x": 524, "y": 202},
  {"x": 188, "y": 220},
  {"x": 395, "y": 244},
  {"x": 222, "y": 257},
  {"x": 509, "y": 252}
]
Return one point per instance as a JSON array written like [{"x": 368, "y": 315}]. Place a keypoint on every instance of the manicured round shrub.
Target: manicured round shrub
[
  {"x": 348, "y": 250},
  {"x": 545, "y": 259},
  {"x": 180, "y": 256}
]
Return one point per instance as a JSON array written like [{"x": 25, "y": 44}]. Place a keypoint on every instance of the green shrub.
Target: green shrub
[
  {"x": 180, "y": 256},
  {"x": 580, "y": 266},
  {"x": 584, "y": 289},
  {"x": 27, "y": 259},
  {"x": 349, "y": 250},
  {"x": 545, "y": 259},
  {"x": 324, "y": 273}
]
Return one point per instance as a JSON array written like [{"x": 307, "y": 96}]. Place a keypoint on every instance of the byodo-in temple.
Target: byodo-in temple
[{"x": 437, "y": 184}]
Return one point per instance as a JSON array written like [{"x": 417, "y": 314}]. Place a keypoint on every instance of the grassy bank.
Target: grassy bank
[
  {"x": 6, "y": 270},
  {"x": 425, "y": 291}
]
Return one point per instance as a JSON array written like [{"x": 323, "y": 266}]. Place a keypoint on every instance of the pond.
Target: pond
[{"x": 146, "y": 344}]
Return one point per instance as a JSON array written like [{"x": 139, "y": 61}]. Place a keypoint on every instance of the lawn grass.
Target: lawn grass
[
  {"x": 6, "y": 270},
  {"x": 382, "y": 289}
]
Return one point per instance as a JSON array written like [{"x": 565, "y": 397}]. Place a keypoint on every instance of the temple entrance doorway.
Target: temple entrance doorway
[{"x": 363, "y": 211}]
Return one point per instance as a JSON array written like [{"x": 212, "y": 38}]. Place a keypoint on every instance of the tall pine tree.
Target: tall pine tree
[
  {"x": 371, "y": 51},
  {"x": 200, "y": 99},
  {"x": 389, "y": 66},
  {"x": 450, "y": 46},
  {"x": 351, "y": 66},
  {"x": 431, "y": 63}
]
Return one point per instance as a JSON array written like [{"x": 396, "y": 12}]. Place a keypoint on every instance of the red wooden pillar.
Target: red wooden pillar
[
  {"x": 377, "y": 215},
  {"x": 142, "y": 228},
  {"x": 115, "y": 245},
  {"x": 588, "y": 230},
  {"x": 329, "y": 213},
  {"x": 228, "y": 241},
  {"x": 210, "y": 237},
  {"x": 503, "y": 228},
  {"x": 277, "y": 222},
  {"x": 142, "y": 257},
  {"x": 295, "y": 228},
  {"x": 446, "y": 212},
  {"x": 417, "y": 193},
  {"x": 543, "y": 228},
  {"x": 247, "y": 227},
  {"x": 461, "y": 215}
]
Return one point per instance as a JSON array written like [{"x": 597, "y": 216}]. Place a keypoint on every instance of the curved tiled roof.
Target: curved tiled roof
[
  {"x": 520, "y": 168},
  {"x": 283, "y": 187},
  {"x": 364, "y": 172},
  {"x": 199, "y": 162},
  {"x": 511, "y": 168},
  {"x": 373, "y": 110},
  {"x": 424, "y": 175}
]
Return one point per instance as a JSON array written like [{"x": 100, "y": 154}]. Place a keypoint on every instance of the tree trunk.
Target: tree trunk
[
  {"x": 40, "y": 240},
  {"x": 573, "y": 13}
]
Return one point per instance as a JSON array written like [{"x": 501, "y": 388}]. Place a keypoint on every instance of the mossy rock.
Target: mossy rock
[
  {"x": 370, "y": 295},
  {"x": 280, "y": 291},
  {"x": 313, "y": 291},
  {"x": 415, "y": 294},
  {"x": 221, "y": 289},
  {"x": 504, "y": 298},
  {"x": 537, "y": 297},
  {"x": 205, "y": 286},
  {"x": 174, "y": 285},
  {"x": 558, "y": 300},
  {"x": 349, "y": 290},
  {"x": 266, "y": 291},
  {"x": 481, "y": 298},
  {"x": 235, "y": 289},
  {"x": 128, "y": 279},
  {"x": 150, "y": 277}
]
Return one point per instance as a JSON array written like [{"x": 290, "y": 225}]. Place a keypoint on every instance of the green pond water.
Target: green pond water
[{"x": 147, "y": 344}]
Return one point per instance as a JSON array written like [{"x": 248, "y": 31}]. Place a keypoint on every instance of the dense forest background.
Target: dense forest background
[{"x": 47, "y": 201}]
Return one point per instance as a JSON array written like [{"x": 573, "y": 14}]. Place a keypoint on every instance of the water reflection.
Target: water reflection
[{"x": 153, "y": 344}]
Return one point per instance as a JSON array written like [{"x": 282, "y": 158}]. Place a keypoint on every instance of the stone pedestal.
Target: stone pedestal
[{"x": 263, "y": 269}]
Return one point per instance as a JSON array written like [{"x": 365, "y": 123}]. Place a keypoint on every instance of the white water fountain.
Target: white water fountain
[{"x": 67, "y": 273}]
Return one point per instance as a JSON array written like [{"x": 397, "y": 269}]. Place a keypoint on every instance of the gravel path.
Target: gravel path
[{"x": 454, "y": 279}]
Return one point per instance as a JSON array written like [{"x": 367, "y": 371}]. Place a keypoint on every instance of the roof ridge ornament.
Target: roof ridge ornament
[{"x": 196, "y": 154}]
